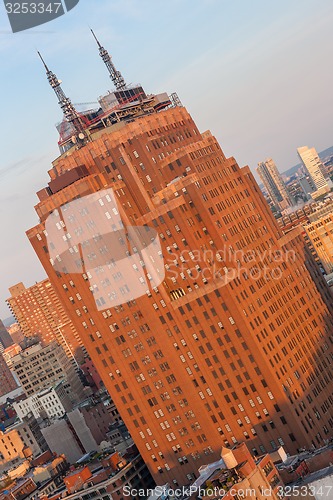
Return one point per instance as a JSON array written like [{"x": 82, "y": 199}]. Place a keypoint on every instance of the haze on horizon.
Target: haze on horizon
[{"x": 257, "y": 74}]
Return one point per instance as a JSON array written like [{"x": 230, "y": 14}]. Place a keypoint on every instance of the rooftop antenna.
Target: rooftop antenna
[
  {"x": 115, "y": 75},
  {"x": 69, "y": 111}
]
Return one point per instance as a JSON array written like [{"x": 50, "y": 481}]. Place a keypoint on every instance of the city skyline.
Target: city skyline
[{"x": 242, "y": 68}]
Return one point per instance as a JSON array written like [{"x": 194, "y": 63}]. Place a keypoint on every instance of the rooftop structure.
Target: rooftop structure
[
  {"x": 237, "y": 475},
  {"x": 126, "y": 103}
]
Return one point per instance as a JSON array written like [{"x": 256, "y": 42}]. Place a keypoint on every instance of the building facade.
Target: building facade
[
  {"x": 274, "y": 184},
  {"x": 39, "y": 312},
  {"x": 236, "y": 343},
  {"x": 40, "y": 367}
]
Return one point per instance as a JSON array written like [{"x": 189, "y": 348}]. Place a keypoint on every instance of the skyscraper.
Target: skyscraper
[
  {"x": 235, "y": 344},
  {"x": 274, "y": 184},
  {"x": 39, "y": 312},
  {"x": 314, "y": 166}
]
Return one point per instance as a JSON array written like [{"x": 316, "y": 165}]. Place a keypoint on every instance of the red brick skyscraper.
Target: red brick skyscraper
[
  {"x": 39, "y": 311},
  {"x": 202, "y": 361}
]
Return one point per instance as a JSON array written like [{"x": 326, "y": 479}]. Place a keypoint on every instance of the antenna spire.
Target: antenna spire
[
  {"x": 69, "y": 111},
  {"x": 115, "y": 75},
  {"x": 41, "y": 58}
]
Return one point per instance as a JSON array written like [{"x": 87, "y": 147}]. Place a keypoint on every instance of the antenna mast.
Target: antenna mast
[
  {"x": 69, "y": 111},
  {"x": 115, "y": 75}
]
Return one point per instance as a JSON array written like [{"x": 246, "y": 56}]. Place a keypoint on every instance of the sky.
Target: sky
[{"x": 257, "y": 73}]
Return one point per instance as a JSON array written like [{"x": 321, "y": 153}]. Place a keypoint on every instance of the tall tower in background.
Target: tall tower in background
[
  {"x": 40, "y": 313},
  {"x": 274, "y": 184},
  {"x": 314, "y": 166},
  {"x": 236, "y": 343},
  {"x": 7, "y": 381}
]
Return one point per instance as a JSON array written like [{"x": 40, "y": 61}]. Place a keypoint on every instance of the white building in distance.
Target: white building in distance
[
  {"x": 48, "y": 403},
  {"x": 314, "y": 166}
]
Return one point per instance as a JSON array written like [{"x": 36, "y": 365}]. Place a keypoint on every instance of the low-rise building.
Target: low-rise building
[
  {"x": 21, "y": 440},
  {"x": 34, "y": 479},
  {"x": 309, "y": 474},
  {"x": 236, "y": 476},
  {"x": 50, "y": 403},
  {"x": 132, "y": 475}
]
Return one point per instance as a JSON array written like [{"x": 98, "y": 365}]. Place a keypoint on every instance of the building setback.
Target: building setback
[
  {"x": 40, "y": 313},
  {"x": 236, "y": 343}
]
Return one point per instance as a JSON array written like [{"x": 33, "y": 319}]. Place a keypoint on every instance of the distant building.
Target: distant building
[
  {"x": 5, "y": 338},
  {"x": 50, "y": 403},
  {"x": 10, "y": 353},
  {"x": 39, "y": 367},
  {"x": 61, "y": 439},
  {"x": 274, "y": 184},
  {"x": 307, "y": 185},
  {"x": 91, "y": 374},
  {"x": 39, "y": 312},
  {"x": 314, "y": 166},
  {"x": 16, "y": 333},
  {"x": 80, "y": 431},
  {"x": 119, "y": 437},
  {"x": 7, "y": 381}
]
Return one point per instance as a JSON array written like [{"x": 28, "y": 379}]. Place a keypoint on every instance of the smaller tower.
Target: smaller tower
[
  {"x": 115, "y": 75},
  {"x": 69, "y": 111}
]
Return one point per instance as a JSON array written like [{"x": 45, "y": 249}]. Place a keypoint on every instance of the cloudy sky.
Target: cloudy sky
[{"x": 257, "y": 73}]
